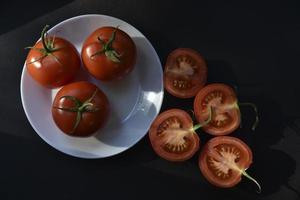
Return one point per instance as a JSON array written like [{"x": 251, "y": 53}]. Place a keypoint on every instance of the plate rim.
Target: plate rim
[{"x": 160, "y": 101}]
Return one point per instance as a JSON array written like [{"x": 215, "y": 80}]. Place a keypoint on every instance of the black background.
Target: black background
[{"x": 251, "y": 46}]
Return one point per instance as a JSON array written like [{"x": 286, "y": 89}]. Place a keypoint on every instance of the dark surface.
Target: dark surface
[{"x": 252, "y": 46}]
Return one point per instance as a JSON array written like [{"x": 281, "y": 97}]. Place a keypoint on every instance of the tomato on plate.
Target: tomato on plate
[
  {"x": 222, "y": 100},
  {"x": 172, "y": 136},
  {"x": 80, "y": 109},
  {"x": 185, "y": 73},
  {"x": 223, "y": 160},
  {"x": 52, "y": 61},
  {"x": 109, "y": 53}
]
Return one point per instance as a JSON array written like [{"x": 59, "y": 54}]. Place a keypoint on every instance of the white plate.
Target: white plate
[{"x": 135, "y": 100}]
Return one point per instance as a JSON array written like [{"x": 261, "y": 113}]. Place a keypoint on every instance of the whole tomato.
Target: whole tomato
[
  {"x": 52, "y": 61},
  {"x": 80, "y": 109},
  {"x": 109, "y": 53}
]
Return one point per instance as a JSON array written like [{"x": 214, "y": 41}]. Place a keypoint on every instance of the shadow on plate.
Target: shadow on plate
[{"x": 140, "y": 110}]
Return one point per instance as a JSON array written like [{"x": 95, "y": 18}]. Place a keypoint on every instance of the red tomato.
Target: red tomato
[
  {"x": 172, "y": 136},
  {"x": 109, "y": 53},
  {"x": 80, "y": 109},
  {"x": 225, "y": 111},
  {"x": 185, "y": 73},
  {"x": 224, "y": 160},
  {"x": 52, "y": 61}
]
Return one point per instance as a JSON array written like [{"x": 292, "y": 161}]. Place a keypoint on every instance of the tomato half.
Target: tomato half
[
  {"x": 172, "y": 136},
  {"x": 222, "y": 101},
  {"x": 80, "y": 109},
  {"x": 109, "y": 53},
  {"x": 185, "y": 73},
  {"x": 223, "y": 160},
  {"x": 52, "y": 61}
]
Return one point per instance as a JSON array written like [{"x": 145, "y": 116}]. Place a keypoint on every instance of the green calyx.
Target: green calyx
[
  {"x": 48, "y": 46},
  {"x": 244, "y": 173},
  {"x": 79, "y": 108},
  {"x": 107, "y": 48}
]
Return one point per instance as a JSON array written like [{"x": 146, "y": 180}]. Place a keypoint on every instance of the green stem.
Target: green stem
[
  {"x": 78, "y": 119},
  {"x": 55, "y": 58},
  {"x": 38, "y": 59},
  {"x": 107, "y": 48},
  {"x": 253, "y": 106},
  {"x": 197, "y": 126},
  {"x": 79, "y": 108},
  {"x": 66, "y": 109},
  {"x": 43, "y": 36},
  {"x": 252, "y": 179},
  {"x": 97, "y": 53},
  {"x": 108, "y": 45}
]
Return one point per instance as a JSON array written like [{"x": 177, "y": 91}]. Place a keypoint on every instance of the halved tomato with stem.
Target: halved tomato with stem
[
  {"x": 222, "y": 100},
  {"x": 173, "y": 137},
  {"x": 185, "y": 73},
  {"x": 224, "y": 160}
]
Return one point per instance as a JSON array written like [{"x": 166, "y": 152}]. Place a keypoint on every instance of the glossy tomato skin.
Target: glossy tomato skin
[
  {"x": 185, "y": 73},
  {"x": 165, "y": 121},
  {"x": 91, "y": 121},
  {"x": 100, "y": 66},
  {"x": 226, "y": 115},
  {"x": 48, "y": 71},
  {"x": 215, "y": 148}
]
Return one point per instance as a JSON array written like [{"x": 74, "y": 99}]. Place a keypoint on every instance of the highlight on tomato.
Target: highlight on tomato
[
  {"x": 80, "y": 109},
  {"x": 185, "y": 73},
  {"x": 226, "y": 115},
  {"x": 224, "y": 160},
  {"x": 52, "y": 61}
]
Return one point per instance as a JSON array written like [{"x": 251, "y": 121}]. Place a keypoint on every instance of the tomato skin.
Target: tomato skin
[
  {"x": 48, "y": 72},
  {"x": 100, "y": 66},
  {"x": 91, "y": 121},
  {"x": 196, "y": 81},
  {"x": 228, "y": 104},
  {"x": 243, "y": 163},
  {"x": 186, "y": 122}
]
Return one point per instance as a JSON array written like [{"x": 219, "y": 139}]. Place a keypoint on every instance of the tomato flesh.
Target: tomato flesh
[
  {"x": 222, "y": 101},
  {"x": 171, "y": 136},
  {"x": 185, "y": 73},
  {"x": 222, "y": 160}
]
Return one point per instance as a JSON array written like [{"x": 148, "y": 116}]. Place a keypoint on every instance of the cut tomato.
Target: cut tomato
[
  {"x": 172, "y": 135},
  {"x": 224, "y": 160},
  {"x": 225, "y": 110},
  {"x": 185, "y": 73}
]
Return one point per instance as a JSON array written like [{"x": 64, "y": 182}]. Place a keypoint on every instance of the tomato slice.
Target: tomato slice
[
  {"x": 172, "y": 136},
  {"x": 185, "y": 73},
  {"x": 222, "y": 100},
  {"x": 223, "y": 160}
]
